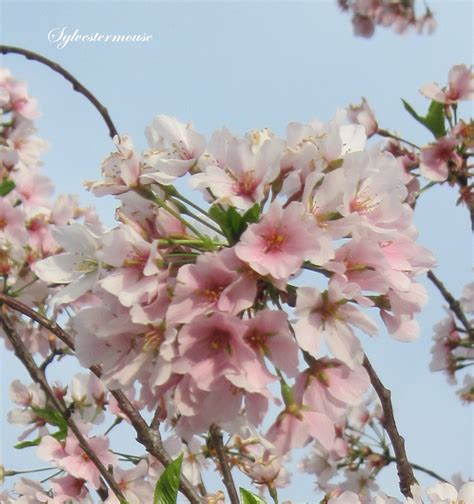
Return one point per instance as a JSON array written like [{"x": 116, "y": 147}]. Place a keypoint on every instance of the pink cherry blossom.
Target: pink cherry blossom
[
  {"x": 280, "y": 243},
  {"x": 460, "y": 87},
  {"x": 437, "y": 159},
  {"x": 328, "y": 315}
]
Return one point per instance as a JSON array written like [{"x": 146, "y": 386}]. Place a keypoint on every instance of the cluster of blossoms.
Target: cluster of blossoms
[
  {"x": 440, "y": 493},
  {"x": 453, "y": 348},
  {"x": 446, "y": 159},
  {"x": 399, "y": 14},
  {"x": 27, "y": 209},
  {"x": 200, "y": 312}
]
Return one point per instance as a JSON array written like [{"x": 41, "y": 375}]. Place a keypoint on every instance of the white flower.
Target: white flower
[{"x": 78, "y": 266}]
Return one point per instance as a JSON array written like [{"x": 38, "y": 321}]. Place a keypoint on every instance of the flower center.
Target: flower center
[
  {"x": 220, "y": 341},
  {"x": 274, "y": 241},
  {"x": 212, "y": 294},
  {"x": 246, "y": 185}
]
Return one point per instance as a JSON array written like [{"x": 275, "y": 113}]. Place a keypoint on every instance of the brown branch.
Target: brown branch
[
  {"x": 38, "y": 377},
  {"x": 77, "y": 86},
  {"x": 155, "y": 421},
  {"x": 454, "y": 304},
  {"x": 18, "y": 306},
  {"x": 404, "y": 469},
  {"x": 218, "y": 445},
  {"x": 149, "y": 438}
]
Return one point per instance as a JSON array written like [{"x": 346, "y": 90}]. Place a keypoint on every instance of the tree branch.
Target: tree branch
[
  {"x": 149, "y": 438},
  {"x": 404, "y": 469},
  {"x": 77, "y": 86},
  {"x": 422, "y": 469},
  {"x": 218, "y": 444},
  {"x": 454, "y": 304},
  {"x": 38, "y": 377}
]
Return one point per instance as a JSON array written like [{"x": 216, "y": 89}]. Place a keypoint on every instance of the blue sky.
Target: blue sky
[{"x": 248, "y": 65}]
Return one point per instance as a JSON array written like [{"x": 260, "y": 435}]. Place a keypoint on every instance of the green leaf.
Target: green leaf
[
  {"x": 166, "y": 489},
  {"x": 59, "y": 435},
  {"x": 252, "y": 215},
  {"x": 434, "y": 119},
  {"x": 6, "y": 187},
  {"x": 51, "y": 416},
  {"x": 231, "y": 222},
  {"x": 250, "y": 498}
]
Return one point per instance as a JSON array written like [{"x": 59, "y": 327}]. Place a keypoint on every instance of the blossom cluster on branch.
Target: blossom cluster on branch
[
  {"x": 241, "y": 312},
  {"x": 399, "y": 14}
]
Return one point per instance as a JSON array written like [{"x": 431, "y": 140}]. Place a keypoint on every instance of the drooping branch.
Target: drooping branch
[
  {"x": 405, "y": 472},
  {"x": 77, "y": 86},
  {"x": 38, "y": 377},
  {"x": 454, "y": 304},
  {"x": 150, "y": 438},
  {"x": 218, "y": 445}
]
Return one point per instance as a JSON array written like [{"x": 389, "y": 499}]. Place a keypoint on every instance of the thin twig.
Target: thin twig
[
  {"x": 422, "y": 469},
  {"x": 404, "y": 469},
  {"x": 38, "y": 377},
  {"x": 454, "y": 304},
  {"x": 77, "y": 86},
  {"x": 218, "y": 444},
  {"x": 387, "y": 134},
  {"x": 149, "y": 438}
]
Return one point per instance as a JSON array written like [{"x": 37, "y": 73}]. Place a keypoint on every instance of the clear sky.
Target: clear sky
[{"x": 249, "y": 65}]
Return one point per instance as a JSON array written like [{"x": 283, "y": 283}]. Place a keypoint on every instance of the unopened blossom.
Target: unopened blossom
[
  {"x": 280, "y": 243},
  {"x": 460, "y": 86},
  {"x": 362, "y": 114},
  {"x": 438, "y": 158}
]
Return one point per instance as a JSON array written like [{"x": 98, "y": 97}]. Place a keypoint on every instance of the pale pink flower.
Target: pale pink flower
[
  {"x": 280, "y": 243},
  {"x": 460, "y": 87},
  {"x": 133, "y": 484},
  {"x": 437, "y": 159},
  {"x": 269, "y": 335},
  {"x": 68, "y": 487},
  {"x": 78, "y": 266},
  {"x": 328, "y": 315},
  {"x": 212, "y": 347},
  {"x": 72, "y": 458},
  {"x": 174, "y": 149},
  {"x": 296, "y": 425},
  {"x": 12, "y": 225},
  {"x": 329, "y": 386},
  {"x": 237, "y": 173},
  {"x": 136, "y": 276},
  {"x": 345, "y": 498},
  {"x": 120, "y": 170},
  {"x": 206, "y": 286}
]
